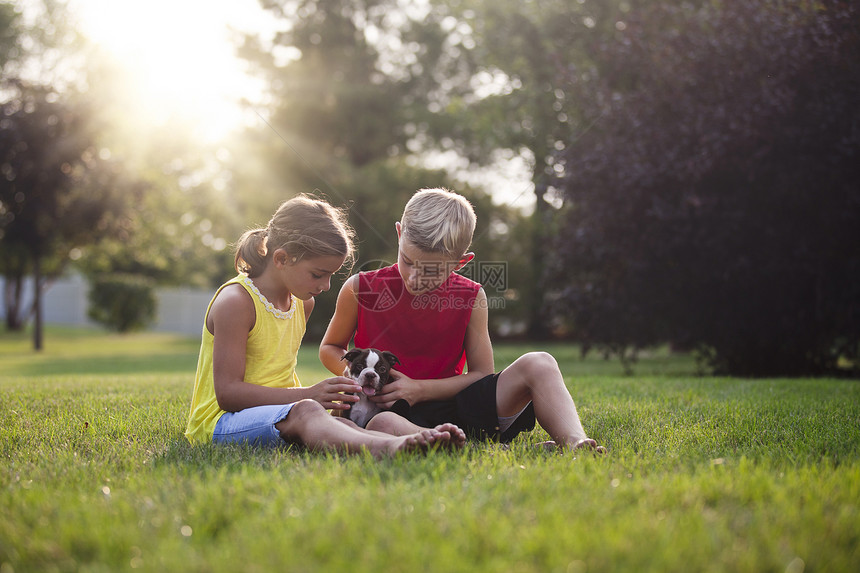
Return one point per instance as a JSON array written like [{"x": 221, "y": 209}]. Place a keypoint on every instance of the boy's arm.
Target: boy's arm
[
  {"x": 341, "y": 328},
  {"x": 479, "y": 358}
]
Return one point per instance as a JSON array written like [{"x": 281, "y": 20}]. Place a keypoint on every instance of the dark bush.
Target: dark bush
[
  {"x": 716, "y": 201},
  {"x": 122, "y": 302}
]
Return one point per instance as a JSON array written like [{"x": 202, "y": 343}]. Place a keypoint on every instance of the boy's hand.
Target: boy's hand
[
  {"x": 402, "y": 388},
  {"x": 329, "y": 393}
]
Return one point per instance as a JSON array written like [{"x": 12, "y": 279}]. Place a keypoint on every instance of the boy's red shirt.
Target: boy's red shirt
[{"x": 427, "y": 332}]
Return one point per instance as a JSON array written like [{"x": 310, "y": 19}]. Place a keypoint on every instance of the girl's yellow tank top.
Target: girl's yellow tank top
[{"x": 270, "y": 357}]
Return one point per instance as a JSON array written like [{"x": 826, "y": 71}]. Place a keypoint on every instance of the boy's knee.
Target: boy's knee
[
  {"x": 383, "y": 422},
  {"x": 539, "y": 361},
  {"x": 536, "y": 369}
]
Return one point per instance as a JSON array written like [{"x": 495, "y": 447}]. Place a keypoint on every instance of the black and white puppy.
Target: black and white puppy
[{"x": 370, "y": 368}]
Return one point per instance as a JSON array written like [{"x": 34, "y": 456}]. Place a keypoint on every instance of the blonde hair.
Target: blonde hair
[
  {"x": 439, "y": 221},
  {"x": 303, "y": 226}
]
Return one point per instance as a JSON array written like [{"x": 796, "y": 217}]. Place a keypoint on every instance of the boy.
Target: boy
[{"x": 436, "y": 321}]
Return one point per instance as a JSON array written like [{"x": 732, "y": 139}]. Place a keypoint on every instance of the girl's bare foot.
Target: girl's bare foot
[
  {"x": 458, "y": 436},
  {"x": 418, "y": 442},
  {"x": 580, "y": 444}
]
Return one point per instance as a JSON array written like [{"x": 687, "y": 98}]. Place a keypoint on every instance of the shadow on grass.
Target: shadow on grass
[
  {"x": 77, "y": 352},
  {"x": 227, "y": 456},
  {"x": 239, "y": 458},
  {"x": 180, "y": 363}
]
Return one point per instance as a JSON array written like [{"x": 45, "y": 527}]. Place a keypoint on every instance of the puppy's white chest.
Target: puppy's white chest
[{"x": 363, "y": 410}]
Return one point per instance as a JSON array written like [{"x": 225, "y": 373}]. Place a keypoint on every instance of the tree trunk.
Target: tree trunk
[
  {"x": 13, "y": 292},
  {"x": 37, "y": 303},
  {"x": 537, "y": 326}
]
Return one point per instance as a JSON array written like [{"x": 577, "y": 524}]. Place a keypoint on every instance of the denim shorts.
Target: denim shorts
[{"x": 253, "y": 426}]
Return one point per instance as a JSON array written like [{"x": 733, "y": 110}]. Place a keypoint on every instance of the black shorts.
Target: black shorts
[{"x": 473, "y": 410}]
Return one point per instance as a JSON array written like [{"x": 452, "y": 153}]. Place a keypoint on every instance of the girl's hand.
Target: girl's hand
[
  {"x": 402, "y": 388},
  {"x": 329, "y": 393}
]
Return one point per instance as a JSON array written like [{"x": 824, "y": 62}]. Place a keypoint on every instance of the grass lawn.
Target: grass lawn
[{"x": 703, "y": 474}]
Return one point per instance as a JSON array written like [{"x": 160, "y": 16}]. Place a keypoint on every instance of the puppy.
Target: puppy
[{"x": 370, "y": 368}]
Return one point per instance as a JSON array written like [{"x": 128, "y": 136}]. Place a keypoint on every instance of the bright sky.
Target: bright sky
[{"x": 181, "y": 55}]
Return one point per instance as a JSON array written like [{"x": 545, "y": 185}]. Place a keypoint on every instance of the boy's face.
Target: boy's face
[{"x": 424, "y": 271}]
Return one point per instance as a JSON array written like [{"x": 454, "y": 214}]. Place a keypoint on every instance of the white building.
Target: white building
[{"x": 65, "y": 302}]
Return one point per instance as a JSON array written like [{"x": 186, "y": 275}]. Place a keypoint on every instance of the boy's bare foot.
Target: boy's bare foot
[
  {"x": 432, "y": 437},
  {"x": 458, "y": 436},
  {"x": 590, "y": 444},
  {"x": 548, "y": 446}
]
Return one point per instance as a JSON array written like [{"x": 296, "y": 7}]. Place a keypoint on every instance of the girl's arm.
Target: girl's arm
[
  {"x": 230, "y": 320},
  {"x": 479, "y": 358},
  {"x": 341, "y": 328}
]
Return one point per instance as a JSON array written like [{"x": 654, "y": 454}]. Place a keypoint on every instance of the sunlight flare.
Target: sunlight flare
[{"x": 178, "y": 59}]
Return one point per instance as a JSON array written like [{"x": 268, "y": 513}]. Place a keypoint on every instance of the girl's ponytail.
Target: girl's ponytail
[
  {"x": 303, "y": 226},
  {"x": 251, "y": 252}
]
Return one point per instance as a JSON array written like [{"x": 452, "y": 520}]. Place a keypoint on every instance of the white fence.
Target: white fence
[{"x": 65, "y": 302}]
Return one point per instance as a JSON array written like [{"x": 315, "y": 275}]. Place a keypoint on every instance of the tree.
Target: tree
[
  {"x": 347, "y": 109},
  {"x": 55, "y": 190},
  {"x": 714, "y": 205},
  {"x": 56, "y": 184},
  {"x": 9, "y": 32},
  {"x": 180, "y": 218},
  {"x": 508, "y": 95},
  {"x": 331, "y": 102}
]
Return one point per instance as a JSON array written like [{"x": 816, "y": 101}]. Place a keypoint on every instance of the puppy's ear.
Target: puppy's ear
[
  {"x": 389, "y": 356},
  {"x": 351, "y": 355}
]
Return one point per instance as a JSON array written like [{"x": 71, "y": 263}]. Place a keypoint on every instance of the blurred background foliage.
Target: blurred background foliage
[{"x": 692, "y": 165}]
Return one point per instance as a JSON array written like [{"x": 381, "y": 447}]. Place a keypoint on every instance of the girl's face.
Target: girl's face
[{"x": 311, "y": 277}]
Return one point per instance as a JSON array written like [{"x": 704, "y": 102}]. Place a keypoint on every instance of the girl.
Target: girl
[{"x": 246, "y": 388}]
